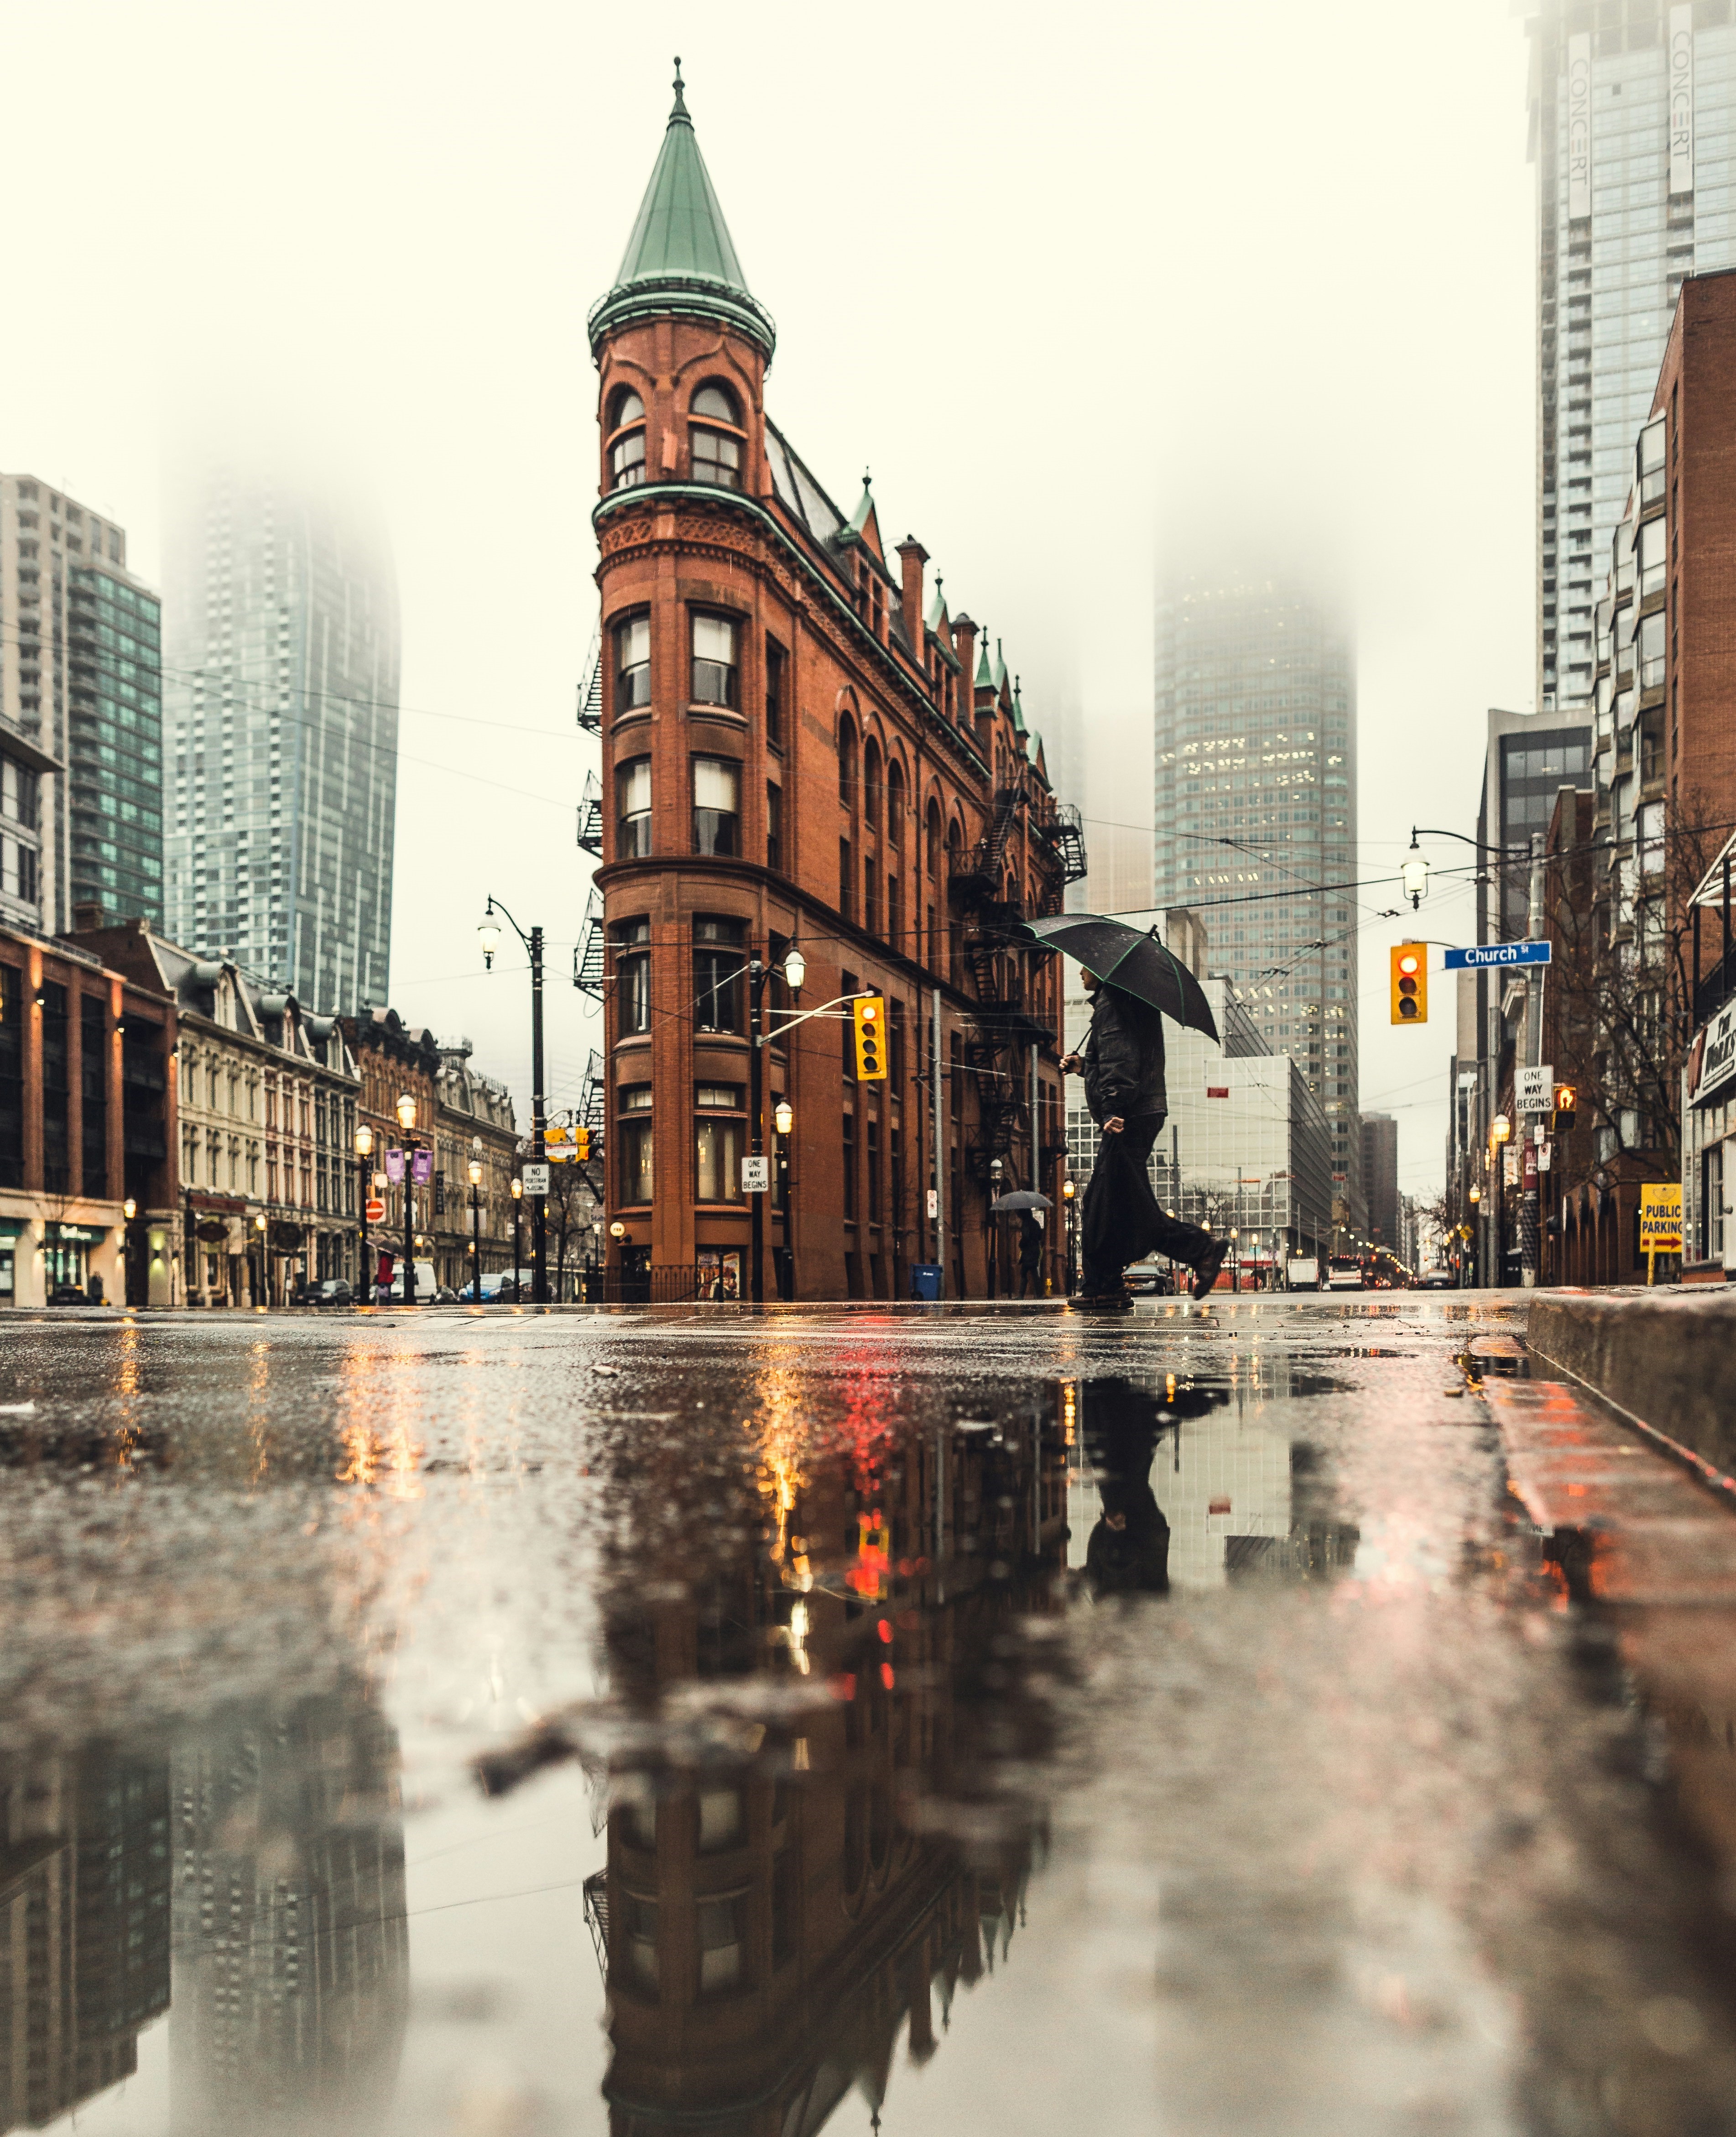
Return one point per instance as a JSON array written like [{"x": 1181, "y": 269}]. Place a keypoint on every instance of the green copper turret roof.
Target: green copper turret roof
[
  {"x": 985, "y": 679},
  {"x": 681, "y": 257},
  {"x": 1018, "y": 726}
]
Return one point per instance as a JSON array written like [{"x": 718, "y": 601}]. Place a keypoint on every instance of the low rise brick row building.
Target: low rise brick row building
[{"x": 174, "y": 1131}]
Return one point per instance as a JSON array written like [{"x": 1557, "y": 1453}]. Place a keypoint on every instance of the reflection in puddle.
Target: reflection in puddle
[
  {"x": 822, "y": 1868},
  {"x": 1199, "y": 1481}
]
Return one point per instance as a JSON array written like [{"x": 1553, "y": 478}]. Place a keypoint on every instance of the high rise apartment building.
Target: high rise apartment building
[
  {"x": 1380, "y": 1181},
  {"x": 80, "y": 715},
  {"x": 1119, "y": 873},
  {"x": 1255, "y": 818},
  {"x": 1633, "y": 132},
  {"x": 282, "y": 725}
]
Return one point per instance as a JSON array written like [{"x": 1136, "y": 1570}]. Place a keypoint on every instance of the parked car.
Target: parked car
[
  {"x": 66, "y": 1294},
  {"x": 329, "y": 1291},
  {"x": 445, "y": 1296},
  {"x": 1435, "y": 1279}
]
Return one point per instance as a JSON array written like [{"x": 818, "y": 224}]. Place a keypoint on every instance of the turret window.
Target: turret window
[
  {"x": 717, "y": 805},
  {"x": 632, "y": 664},
  {"x": 626, "y": 447},
  {"x": 717, "y": 454},
  {"x": 633, "y": 809},
  {"x": 714, "y": 660}
]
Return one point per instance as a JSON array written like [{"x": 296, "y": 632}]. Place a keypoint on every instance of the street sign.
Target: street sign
[
  {"x": 1660, "y": 1217},
  {"x": 934, "y": 1202},
  {"x": 535, "y": 1178},
  {"x": 1533, "y": 1089},
  {"x": 375, "y": 1210},
  {"x": 1482, "y": 954},
  {"x": 755, "y": 1175}
]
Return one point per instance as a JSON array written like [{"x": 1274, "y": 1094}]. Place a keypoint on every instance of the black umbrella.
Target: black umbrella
[
  {"x": 1021, "y": 1198},
  {"x": 1134, "y": 961}
]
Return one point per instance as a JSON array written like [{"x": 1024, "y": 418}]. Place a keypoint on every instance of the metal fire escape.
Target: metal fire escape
[
  {"x": 590, "y": 815},
  {"x": 589, "y": 1114},
  {"x": 589, "y": 960},
  {"x": 591, "y": 690},
  {"x": 995, "y": 1050}
]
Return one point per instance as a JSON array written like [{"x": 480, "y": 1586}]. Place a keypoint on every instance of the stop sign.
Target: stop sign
[{"x": 376, "y": 1209}]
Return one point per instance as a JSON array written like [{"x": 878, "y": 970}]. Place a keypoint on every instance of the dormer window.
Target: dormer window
[
  {"x": 717, "y": 454},
  {"x": 627, "y": 441}
]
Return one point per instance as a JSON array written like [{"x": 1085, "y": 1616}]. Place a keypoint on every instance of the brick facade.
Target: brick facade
[{"x": 800, "y": 743}]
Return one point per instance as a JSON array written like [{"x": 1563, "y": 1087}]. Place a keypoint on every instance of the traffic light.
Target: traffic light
[
  {"x": 869, "y": 1013},
  {"x": 1567, "y": 1109},
  {"x": 581, "y": 1145},
  {"x": 1409, "y": 975}
]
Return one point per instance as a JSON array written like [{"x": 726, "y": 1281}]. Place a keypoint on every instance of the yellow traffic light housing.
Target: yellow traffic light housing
[
  {"x": 1409, "y": 972},
  {"x": 581, "y": 1145},
  {"x": 869, "y": 1012},
  {"x": 1567, "y": 1109}
]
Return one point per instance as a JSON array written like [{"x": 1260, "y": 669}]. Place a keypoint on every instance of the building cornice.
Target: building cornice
[{"x": 855, "y": 631}]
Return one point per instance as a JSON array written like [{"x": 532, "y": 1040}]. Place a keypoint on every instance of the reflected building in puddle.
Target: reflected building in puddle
[
  {"x": 814, "y": 1849},
  {"x": 1239, "y": 1495},
  {"x": 291, "y": 1948},
  {"x": 84, "y": 1925}
]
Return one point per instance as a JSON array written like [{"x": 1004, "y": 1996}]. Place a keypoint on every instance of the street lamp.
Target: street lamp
[
  {"x": 518, "y": 1200},
  {"x": 407, "y": 1121},
  {"x": 364, "y": 1143},
  {"x": 259, "y": 1226},
  {"x": 488, "y": 932},
  {"x": 1413, "y": 874},
  {"x": 783, "y": 1117},
  {"x": 1503, "y": 1128},
  {"x": 759, "y": 974},
  {"x": 1069, "y": 1190},
  {"x": 475, "y": 1231}
]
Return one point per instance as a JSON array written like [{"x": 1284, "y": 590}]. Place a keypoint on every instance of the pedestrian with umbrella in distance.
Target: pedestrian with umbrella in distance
[{"x": 1133, "y": 981}]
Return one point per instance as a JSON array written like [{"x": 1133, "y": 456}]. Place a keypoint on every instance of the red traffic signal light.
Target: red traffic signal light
[{"x": 1407, "y": 972}]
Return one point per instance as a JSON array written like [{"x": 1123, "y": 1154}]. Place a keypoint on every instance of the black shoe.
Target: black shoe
[{"x": 1206, "y": 1273}]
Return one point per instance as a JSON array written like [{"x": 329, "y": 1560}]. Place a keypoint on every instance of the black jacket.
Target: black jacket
[{"x": 1123, "y": 1057}]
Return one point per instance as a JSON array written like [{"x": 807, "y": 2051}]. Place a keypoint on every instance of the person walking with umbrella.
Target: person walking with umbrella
[
  {"x": 1030, "y": 1253},
  {"x": 1132, "y": 980}
]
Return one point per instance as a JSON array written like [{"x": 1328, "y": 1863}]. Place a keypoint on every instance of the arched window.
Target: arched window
[
  {"x": 871, "y": 784},
  {"x": 895, "y": 803},
  {"x": 847, "y": 762},
  {"x": 934, "y": 839},
  {"x": 717, "y": 452},
  {"x": 627, "y": 439}
]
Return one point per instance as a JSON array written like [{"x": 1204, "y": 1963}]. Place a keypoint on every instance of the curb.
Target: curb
[{"x": 1669, "y": 1362}]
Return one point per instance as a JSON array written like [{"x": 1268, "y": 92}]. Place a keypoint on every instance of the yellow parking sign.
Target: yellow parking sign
[{"x": 1660, "y": 1222}]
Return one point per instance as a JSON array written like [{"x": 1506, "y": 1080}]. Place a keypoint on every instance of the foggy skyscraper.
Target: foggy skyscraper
[
  {"x": 281, "y": 720},
  {"x": 1633, "y": 123},
  {"x": 1255, "y": 813}
]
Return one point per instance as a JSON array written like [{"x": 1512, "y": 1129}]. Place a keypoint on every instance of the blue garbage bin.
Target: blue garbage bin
[{"x": 925, "y": 1280}]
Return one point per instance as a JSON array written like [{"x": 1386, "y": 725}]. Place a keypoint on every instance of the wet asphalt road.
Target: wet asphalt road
[{"x": 510, "y": 1724}]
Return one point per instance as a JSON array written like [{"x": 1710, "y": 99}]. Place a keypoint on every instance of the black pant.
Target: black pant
[{"x": 1180, "y": 1242}]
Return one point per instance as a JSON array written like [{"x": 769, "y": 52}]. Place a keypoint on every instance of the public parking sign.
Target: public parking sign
[
  {"x": 1660, "y": 1219},
  {"x": 536, "y": 1179},
  {"x": 1485, "y": 954}
]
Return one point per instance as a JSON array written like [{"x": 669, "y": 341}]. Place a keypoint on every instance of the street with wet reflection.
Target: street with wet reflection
[{"x": 507, "y": 1725}]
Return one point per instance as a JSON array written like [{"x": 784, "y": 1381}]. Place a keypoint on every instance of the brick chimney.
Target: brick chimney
[
  {"x": 963, "y": 644},
  {"x": 87, "y": 917},
  {"x": 912, "y": 556}
]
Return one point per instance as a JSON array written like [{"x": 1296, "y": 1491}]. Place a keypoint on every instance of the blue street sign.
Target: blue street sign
[{"x": 1496, "y": 953}]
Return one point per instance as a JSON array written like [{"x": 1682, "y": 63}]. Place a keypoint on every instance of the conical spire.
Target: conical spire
[{"x": 681, "y": 257}]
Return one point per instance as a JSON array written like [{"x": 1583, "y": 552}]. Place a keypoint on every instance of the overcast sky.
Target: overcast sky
[{"x": 1069, "y": 283}]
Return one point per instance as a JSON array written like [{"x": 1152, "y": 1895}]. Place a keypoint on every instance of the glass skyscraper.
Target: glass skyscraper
[
  {"x": 1633, "y": 132},
  {"x": 281, "y": 697},
  {"x": 1255, "y": 818}
]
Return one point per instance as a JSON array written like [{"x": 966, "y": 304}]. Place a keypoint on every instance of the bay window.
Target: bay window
[
  {"x": 717, "y": 805},
  {"x": 633, "y": 809},
  {"x": 714, "y": 660}
]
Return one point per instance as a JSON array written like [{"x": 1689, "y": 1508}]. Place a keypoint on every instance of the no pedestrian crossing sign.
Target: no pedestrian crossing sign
[
  {"x": 536, "y": 1179},
  {"x": 1481, "y": 955}
]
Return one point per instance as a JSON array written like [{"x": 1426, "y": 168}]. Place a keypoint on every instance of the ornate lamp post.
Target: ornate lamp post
[
  {"x": 1069, "y": 1203},
  {"x": 476, "y": 1231},
  {"x": 517, "y": 1201},
  {"x": 258, "y": 1298},
  {"x": 364, "y": 1151},
  {"x": 407, "y": 1121}
]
